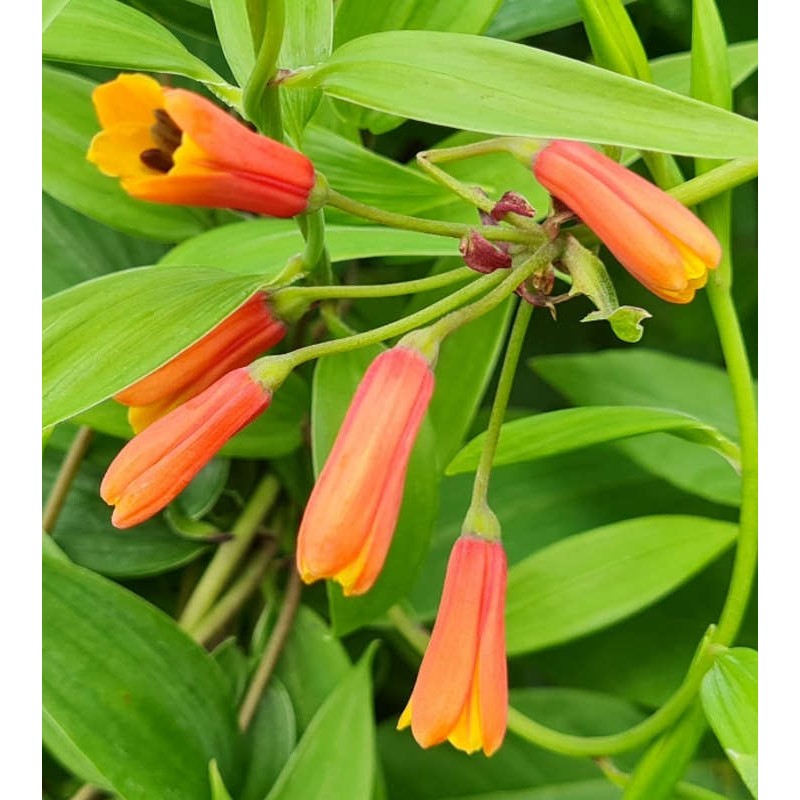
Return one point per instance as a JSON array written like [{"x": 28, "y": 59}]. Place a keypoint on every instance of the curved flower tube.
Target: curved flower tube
[
  {"x": 155, "y": 466},
  {"x": 659, "y": 241},
  {"x": 174, "y": 146},
  {"x": 351, "y": 515},
  {"x": 461, "y": 693},
  {"x": 240, "y": 338}
]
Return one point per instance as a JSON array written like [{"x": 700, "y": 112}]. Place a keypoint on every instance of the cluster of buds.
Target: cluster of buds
[{"x": 172, "y": 146}]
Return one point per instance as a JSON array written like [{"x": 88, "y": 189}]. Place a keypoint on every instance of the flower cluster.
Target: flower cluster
[{"x": 172, "y": 146}]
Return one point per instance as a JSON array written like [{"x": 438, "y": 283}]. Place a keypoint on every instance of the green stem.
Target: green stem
[
  {"x": 310, "y": 294},
  {"x": 454, "y": 229},
  {"x": 261, "y": 102},
  {"x": 501, "y": 284},
  {"x": 228, "y": 555},
  {"x": 715, "y": 181},
  {"x": 66, "y": 475},
  {"x": 683, "y": 790},
  {"x": 737, "y": 364},
  {"x": 233, "y": 600},
  {"x": 272, "y": 651},
  {"x": 479, "y": 516}
]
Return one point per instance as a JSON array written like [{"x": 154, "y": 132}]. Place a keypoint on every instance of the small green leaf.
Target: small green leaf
[
  {"x": 68, "y": 125},
  {"x": 555, "y": 432},
  {"x": 484, "y": 84},
  {"x": 112, "y": 34},
  {"x": 730, "y": 700},
  {"x": 589, "y": 581},
  {"x": 335, "y": 759},
  {"x": 114, "y": 683},
  {"x": 50, "y": 10},
  {"x": 199, "y": 497},
  {"x": 335, "y": 381},
  {"x": 103, "y": 335}
]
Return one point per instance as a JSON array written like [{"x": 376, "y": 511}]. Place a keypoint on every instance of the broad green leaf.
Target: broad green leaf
[
  {"x": 263, "y": 247},
  {"x": 114, "y": 682},
  {"x": 673, "y": 72},
  {"x": 103, "y": 335},
  {"x": 50, "y": 10},
  {"x": 573, "y": 428},
  {"x": 269, "y": 741},
  {"x": 519, "y": 19},
  {"x": 518, "y": 767},
  {"x": 335, "y": 758},
  {"x": 233, "y": 30},
  {"x": 369, "y": 177},
  {"x": 307, "y": 39},
  {"x": 111, "y": 34},
  {"x": 438, "y": 77},
  {"x": 650, "y": 378},
  {"x": 592, "y": 580},
  {"x": 336, "y": 379},
  {"x": 277, "y": 432},
  {"x": 184, "y": 17},
  {"x": 77, "y": 249},
  {"x": 312, "y": 664},
  {"x": 730, "y": 700},
  {"x": 68, "y": 125},
  {"x": 355, "y": 18},
  {"x": 84, "y": 531}
]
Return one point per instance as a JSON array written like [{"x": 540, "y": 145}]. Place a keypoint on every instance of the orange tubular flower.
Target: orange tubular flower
[
  {"x": 352, "y": 512},
  {"x": 234, "y": 343},
  {"x": 461, "y": 693},
  {"x": 173, "y": 146},
  {"x": 155, "y": 466},
  {"x": 659, "y": 241}
]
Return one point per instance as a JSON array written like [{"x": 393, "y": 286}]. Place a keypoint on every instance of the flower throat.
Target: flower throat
[{"x": 167, "y": 135}]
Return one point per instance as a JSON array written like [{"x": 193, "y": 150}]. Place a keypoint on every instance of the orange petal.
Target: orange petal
[
  {"x": 115, "y": 151},
  {"x": 129, "y": 98}
]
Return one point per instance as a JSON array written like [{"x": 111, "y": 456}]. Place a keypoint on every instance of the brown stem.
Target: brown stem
[{"x": 66, "y": 475}]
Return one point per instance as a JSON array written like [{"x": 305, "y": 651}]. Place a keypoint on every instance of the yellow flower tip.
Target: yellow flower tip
[{"x": 405, "y": 718}]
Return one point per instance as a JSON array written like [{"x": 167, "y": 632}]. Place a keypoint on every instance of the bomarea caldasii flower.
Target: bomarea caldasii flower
[
  {"x": 659, "y": 241},
  {"x": 351, "y": 515},
  {"x": 461, "y": 692},
  {"x": 157, "y": 464},
  {"x": 174, "y": 146},
  {"x": 240, "y": 338}
]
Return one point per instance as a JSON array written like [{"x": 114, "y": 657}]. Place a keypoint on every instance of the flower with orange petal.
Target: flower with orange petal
[
  {"x": 659, "y": 241},
  {"x": 235, "y": 342},
  {"x": 461, "y": 693},
  {"x": 352, "y": 512},
  {"x": 174, "y": 146},
  {"x": 155, "y": 466}
]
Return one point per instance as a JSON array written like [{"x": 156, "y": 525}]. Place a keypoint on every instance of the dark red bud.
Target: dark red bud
[
  {"x": 512, "y": 203},
  {"x": 481, "y": 255}
]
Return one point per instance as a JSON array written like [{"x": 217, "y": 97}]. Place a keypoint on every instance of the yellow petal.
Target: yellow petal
[
  {"x": 128, "y": 99},
  {"x": 116, "y": 151}
]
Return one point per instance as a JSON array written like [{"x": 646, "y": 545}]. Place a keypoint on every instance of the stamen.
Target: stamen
[
  {"x": 165, "y": 133},
  {"x": 157, "y": 159}
]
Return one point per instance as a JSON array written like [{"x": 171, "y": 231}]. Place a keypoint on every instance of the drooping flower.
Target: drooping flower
[
  {"x": 461, "y": 693},
  {"x": 235, "y": 342},
  {"x": 659, "y": 241},
  {"x": 174, "y": 146},
  {"x": 352, "y": 512},
  {"x": 155, "y": 466}
]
